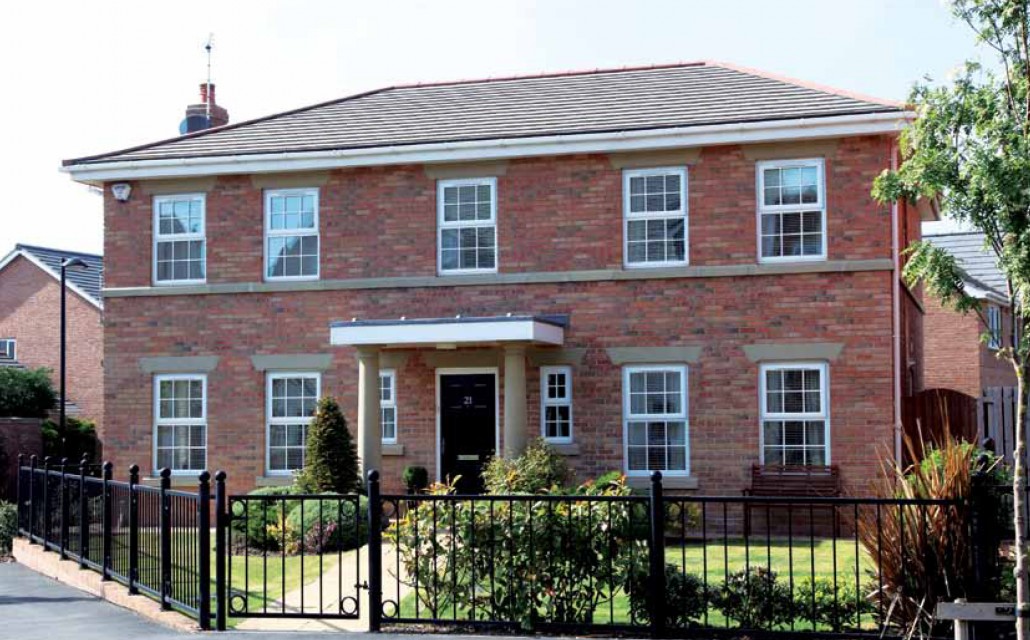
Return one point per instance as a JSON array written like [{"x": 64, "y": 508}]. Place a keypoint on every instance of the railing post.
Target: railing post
[
  {"x": 984, "y": 540},
  {"x": 20, "y": 497},
  {"x": 165, "y": 534},
  {"x": 657, "y": 556},
  {"x": 46, "y": 502},
  {"x": 204, "y": 549},
  {"x": 133, "y": 529},
  {"x": 105, "y": 571},
  {"x": 65, "y": 510},
  {"x": 83, "y": 514},
  {"x": 220, "y": 559},
  {"x": 32, "y": 497},
  {"x": 375, "y": 554}
]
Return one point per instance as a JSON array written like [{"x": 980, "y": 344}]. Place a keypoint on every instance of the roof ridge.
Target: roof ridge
[
  {"x": 30, "y": 247},
  {"x": 554, "y": 74},
  {"x": 815, "y": 86}
]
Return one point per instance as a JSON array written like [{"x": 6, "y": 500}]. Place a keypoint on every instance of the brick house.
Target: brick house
[
  {"x": 30, "y": 321},
  {"x": 675, "y": 268},
  {"x": 956, "y": 356}
]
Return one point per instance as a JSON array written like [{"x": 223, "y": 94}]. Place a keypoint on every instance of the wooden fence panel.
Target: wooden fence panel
[
  {"x": 931, "y": 414},
  {"x": 998, "y": 419}
]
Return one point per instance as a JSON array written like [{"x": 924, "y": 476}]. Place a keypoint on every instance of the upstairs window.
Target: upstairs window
[
  {"x": 179, "y": 242},
  {"x": 795, "y": 416},
  {"x": 655, "y": 420},
  {"x": 994, "y": 327},
  {"x": 292, "y": 400},
  {"x": 556, "y": 403},
  {"x": 8, "y": 349},
  {"x": 180, "y": 414},
  {"x": 655, "y": 214},
  {"x": 791, "y": 211},
  {"x": 388, "y": 405},
  {"x": 467, "y": 218},
  {"x": 291, "y": 234}
]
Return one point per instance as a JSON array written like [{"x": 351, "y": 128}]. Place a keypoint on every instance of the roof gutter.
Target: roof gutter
[{"x": 97, "y": 172}]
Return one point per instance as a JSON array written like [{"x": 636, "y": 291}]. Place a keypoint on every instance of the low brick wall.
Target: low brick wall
[
  {"x": 49, "y": 564},
  {"x": 17, "y": 435}
]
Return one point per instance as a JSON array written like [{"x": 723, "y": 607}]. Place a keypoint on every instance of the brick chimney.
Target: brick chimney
[{"x": 196, "y": 114}]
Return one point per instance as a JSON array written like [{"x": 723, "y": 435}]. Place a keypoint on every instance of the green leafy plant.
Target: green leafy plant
[
  {"x": 539, "y": 469},
  {"x": 827, "y": 605},
  {"x": 685, "y": 600},
  {"x": 78, "y": 439},
  {"x": 331, "y": 460},
  {"x": 330, "y": 524},
  {"x": 755, "y": 599},
  {"x": 26, "y": 393},
  {"x": 8, "y": 526},
  {"x": 415, "y": 479},
  {"x": 252, "y": 519}
]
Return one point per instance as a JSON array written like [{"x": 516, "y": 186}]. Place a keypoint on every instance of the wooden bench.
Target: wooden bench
[{"x": 786, "y": 481}]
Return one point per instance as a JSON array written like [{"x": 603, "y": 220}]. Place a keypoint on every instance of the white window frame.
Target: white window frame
[
  {"x": 12, "y": 350},
  {"x": 762, "y": 208},
  {"x": 441, "y": 185},
  {"x": 663, "y": 215},
  {"x": 158, "y": 420},
  {"x": 270, "y": 233},
  {"x": 995, "y": 325},
  {"x": 684, "y": 416},
  {"x": 157, "y": 237},
  {"x": 269, "y": 420},
  {"x": 387, "y": 404},
  {"x": 824, "y": 414},
  {"x": 545, "y": 401}
]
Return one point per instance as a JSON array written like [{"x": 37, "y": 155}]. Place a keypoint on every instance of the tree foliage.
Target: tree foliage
[
  {"x": 331, "y": 458},
  {"x": 969, "y": 150},
  {"x": 26, "y": 393}
]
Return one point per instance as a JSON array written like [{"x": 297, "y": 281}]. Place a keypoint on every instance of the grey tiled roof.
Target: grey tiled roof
[
  {"x": 90, "y": 280},
  {"x": 683, "y": 95},
  {"x": 977, "y": 259}
]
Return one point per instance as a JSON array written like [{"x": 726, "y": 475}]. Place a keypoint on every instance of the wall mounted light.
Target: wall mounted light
[{"x": 121, "y": 191}]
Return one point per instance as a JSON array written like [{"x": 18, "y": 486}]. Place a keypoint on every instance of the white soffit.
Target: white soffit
[{"x": 456, "y": 331}]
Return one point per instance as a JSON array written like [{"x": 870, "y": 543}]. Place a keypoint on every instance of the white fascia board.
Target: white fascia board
[
  {"x": 9, "y": 258},
  {"x": 447, "y": 333},
  {"x": 496, "y": 149}
]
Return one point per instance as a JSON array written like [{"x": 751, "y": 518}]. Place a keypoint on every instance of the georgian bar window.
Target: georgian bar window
[
  {"x": 655, "y": 213},
  {"x": 292, "y": 400},
  {"x": 795, "y": 416},
  {"x": 388, "y": 405},
  {"x": 791, "y": 211},
  {"x": 180, "y": 422},
  {"x": 556, "y": 403},
  {"x": 179, "y": 243},
  {"x": 655, "y": 420},
  {"x": 291, "y": 234},
  {"x": 467, "y": 220}
]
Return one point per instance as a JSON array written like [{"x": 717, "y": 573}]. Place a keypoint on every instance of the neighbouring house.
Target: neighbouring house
[
  {"x": 956, "y": 355},
  {"x": 30, "y": 322},
  {"x": 675, "y": 268}
]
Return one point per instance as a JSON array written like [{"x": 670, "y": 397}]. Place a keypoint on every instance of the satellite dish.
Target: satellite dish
[{"x": 194, "y": 123}]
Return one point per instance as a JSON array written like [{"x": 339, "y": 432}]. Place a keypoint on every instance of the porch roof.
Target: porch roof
[{"x": 456, "y": 330}]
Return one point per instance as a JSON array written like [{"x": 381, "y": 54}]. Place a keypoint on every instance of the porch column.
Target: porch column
[
  {"x": 514, "y": 401},
  {"x": 369, "y": 434}
]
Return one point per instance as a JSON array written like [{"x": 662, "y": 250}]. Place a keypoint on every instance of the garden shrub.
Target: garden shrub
[
  {"x": 78, "y": 439},
  {"x": 8, "y": 526},
  {"x": 685, "y": 600},
  {"x": 26, "y": 393},
  {"x": 539, "y": 469},
  {"x": 415, "y": 479},
  {"x": 548, "y": 560},
  {"x": 253, "y": 530},
  {"x": 324, "y": 526},
  {"x": 755, "y": 599},
  {"x": 331, "y": 458},
  {"x": 823, "y": 604}
]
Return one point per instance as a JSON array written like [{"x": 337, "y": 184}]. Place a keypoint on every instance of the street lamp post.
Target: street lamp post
[{"x": 70, "y": 263}]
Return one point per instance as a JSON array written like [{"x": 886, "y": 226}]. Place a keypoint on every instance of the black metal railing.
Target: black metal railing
[
  {"x": 597, "y": 563},
  {"x": 155, "y": 540},
  {"x": 294, "y": 556}
]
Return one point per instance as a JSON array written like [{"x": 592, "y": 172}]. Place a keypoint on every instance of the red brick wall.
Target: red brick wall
[
  {"x": 955, "y": 358},
  {"x": 554, "y": 214},
  {"x": 30, "y": 312}
]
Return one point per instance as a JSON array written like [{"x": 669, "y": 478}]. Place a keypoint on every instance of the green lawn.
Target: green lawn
[
  {"x": 264, "y": 579},
  {"x": 807, "y": 560}
]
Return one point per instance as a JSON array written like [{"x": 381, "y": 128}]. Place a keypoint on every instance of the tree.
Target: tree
[
  {"x": 26, "y": 393},
  {"x": 969, "y": 149},
  {"x": 331, "y": 459}
]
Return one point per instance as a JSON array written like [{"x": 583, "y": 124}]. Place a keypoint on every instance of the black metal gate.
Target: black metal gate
[{"x": 294, "y": 556}]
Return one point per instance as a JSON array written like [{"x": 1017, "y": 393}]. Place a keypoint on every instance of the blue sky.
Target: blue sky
[{"x": 113, "y": 74}]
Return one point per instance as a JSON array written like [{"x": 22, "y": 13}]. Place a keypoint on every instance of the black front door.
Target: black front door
[{"x": 468, "y": 427}]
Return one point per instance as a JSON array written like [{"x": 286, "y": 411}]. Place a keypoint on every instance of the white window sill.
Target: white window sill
[
  {"x": 668, "y": 482},
  {"x": 392, "y": 449}
]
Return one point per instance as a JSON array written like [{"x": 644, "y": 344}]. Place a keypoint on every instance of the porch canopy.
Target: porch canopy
[{"x": 512, "y": 332}]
